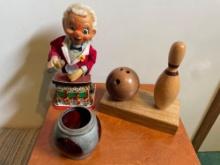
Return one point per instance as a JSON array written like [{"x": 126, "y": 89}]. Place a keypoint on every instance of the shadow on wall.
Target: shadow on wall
[{"x": 31, "y": 98}]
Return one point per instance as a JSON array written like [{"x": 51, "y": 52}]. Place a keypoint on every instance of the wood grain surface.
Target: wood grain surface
[
  {"x": 168, "y": 83},
  {"x": 122, "y": 143},
  {"x": 141, "y": 109}
]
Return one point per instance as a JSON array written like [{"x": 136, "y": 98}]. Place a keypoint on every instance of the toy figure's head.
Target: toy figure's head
[{"x": 79, "y": 23}]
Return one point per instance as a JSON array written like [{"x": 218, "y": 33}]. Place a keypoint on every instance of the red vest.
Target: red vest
[{"x": 56, "y": 50}]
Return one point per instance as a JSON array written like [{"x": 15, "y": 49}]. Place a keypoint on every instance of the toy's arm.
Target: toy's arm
[
  {"x": 84, "y": 69},
  {"x": 54, "y": 57},
  {"x": 75, "y": 75},
  {"x": 54, "y": 61},
  {"x": 91, "y": 60}
]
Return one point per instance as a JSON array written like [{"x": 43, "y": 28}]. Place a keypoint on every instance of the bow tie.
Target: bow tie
[{"x": 72, "y": 47}]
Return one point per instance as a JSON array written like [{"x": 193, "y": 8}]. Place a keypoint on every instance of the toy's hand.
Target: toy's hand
[
  {"x": 56, "y": 63},
  {"x": 75, "y": 75}
]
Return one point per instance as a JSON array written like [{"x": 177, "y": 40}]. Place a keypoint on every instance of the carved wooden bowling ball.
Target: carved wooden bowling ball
[{"x": 122, "y": 83}]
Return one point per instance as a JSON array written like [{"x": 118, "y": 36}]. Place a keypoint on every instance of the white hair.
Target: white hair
[{"x": 81, "y": 10}]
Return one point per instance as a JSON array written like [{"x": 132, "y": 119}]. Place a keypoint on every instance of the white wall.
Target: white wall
[{"x": 130, "y": 33}]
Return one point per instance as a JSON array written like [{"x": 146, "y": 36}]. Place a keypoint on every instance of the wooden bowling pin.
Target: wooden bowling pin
[{"x": 168, "y": 84}]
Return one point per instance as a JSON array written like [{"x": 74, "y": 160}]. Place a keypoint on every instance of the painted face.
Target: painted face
[{"x": 79, "y": 28}]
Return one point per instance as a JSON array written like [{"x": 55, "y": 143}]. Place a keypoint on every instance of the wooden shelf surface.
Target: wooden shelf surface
[{"x": 122, "y": 143}]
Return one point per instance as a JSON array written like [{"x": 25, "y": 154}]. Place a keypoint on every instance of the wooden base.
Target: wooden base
[{"x": 141, "y": 109}]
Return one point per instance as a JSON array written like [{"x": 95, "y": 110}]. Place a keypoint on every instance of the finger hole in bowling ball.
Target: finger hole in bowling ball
[
  {"x": 127, "y": 71},
  {"x": 117, "y": 81},
  {"x": 121, "y": 69}
]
